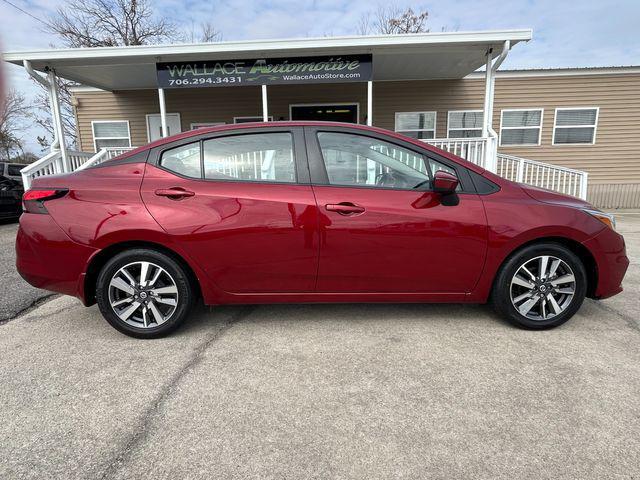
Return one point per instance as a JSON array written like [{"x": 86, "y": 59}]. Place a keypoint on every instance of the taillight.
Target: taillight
[{"x": 33, "y": 200}]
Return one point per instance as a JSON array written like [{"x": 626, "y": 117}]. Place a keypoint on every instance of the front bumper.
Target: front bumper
[
  {"x": 47, "y": 258},
  {"x": 609, "y": 251}
]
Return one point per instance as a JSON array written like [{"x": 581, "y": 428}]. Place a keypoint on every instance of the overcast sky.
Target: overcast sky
[{"x": 565, "y": 33}]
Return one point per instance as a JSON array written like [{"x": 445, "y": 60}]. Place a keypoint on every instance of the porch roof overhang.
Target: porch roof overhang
[{"x": 442, "y": 55}]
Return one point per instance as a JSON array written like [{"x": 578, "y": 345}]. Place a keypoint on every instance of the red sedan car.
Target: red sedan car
[{"x": 309, "y": 212}]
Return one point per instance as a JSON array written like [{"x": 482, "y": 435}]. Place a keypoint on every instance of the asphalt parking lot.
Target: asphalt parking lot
[
  {"x": 325, "y": 391},
  {"x": 16, "y": 295}
]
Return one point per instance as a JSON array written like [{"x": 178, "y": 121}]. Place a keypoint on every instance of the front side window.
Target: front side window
[
  {"x": 575, "y": 126},
  {"x": 250, "y": 157},
  {"x": 520, "y": 127},
  {"x": 361, "y": 161},
  {"x": 416, "y": 124},
  {"x": 465, "y": 124},
  {"x": 184, "y": 160},
  {"x": 110, "y": 134}
]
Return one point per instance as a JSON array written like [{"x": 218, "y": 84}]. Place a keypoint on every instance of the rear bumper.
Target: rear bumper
[
  {"x": 47, "y": 258},
  {"x": 609, "y": 251}
]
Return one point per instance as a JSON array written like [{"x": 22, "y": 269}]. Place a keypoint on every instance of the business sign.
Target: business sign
[{"x": 265, "y": 71}]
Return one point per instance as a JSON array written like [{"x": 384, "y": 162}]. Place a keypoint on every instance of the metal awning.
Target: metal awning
[{"x": 442, "y": 55}]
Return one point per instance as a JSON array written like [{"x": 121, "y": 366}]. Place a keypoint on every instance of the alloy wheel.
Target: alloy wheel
[
  {"x": 542, "y": 287},
  {"x": 143, "y": 294}
]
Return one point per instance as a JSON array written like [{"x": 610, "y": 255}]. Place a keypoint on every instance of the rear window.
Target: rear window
[{"x": 15, "y": 169}]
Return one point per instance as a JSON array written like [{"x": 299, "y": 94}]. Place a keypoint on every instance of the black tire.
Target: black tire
[
  {"x": 501, "y": 294},
  {"x": 184, "y": 297}
]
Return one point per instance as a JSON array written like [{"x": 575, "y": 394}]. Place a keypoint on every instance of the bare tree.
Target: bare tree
[
  {"x": 107, "y": 23},
  {"x": 41, "y": 114},
  {"x": 391, "y": 20},
  {"x": 110, "y": 23},
  {"x": 207, "y": 33},
  {"x": 14, "y": 114}
]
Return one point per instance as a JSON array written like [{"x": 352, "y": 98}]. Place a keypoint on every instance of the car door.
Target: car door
[
  {"x": 241, "y": 205},
  {"x": 382, "y": 228}
]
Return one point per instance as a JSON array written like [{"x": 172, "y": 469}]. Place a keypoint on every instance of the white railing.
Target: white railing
[
  {"x": 544, "y": 175},
  {"x": 115, "y": 151},
  {"x": 51, "y": 164},
  {"x": 552, "y": 177},
  {"x": 101, "y": 156},
  {"x": 104, "y": 155},
  {"x": 471, "y": 149},
  {"x": 77, "y": 159}
]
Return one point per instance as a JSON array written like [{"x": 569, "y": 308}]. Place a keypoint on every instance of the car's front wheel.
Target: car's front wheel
[
  {"x": 144, "y": 293},
  {"x": 541, "y": 286}
]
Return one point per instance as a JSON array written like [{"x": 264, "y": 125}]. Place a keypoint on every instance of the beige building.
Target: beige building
[{"x": 572, "y": 130}]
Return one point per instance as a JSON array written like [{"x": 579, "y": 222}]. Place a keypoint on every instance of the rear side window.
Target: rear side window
[
  {"x": 253, "y": 157},
  {"x": 183, "y": 160}
]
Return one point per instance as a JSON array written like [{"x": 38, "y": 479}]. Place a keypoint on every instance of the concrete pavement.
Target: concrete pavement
[{"x": 325, "y": 391}]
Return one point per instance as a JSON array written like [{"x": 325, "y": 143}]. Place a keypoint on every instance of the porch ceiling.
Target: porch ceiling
[{"x": 395, "y": 57}]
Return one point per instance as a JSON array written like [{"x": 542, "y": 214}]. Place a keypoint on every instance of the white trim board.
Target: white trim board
[{"x": 261, "y": 47}]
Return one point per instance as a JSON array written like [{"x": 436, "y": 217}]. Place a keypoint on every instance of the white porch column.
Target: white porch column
[
  {"x": 488, "y": 95},
  {"x": 370, "y": 103},
  {"x": 163, "y": 113},
  {"x": 491, "y": 150},
  {"x": 58, "y": 125},
  {"x": 265, "y": 107}
]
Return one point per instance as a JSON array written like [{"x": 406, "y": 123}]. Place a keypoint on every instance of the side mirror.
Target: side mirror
[{"x": 444, "y": 182}]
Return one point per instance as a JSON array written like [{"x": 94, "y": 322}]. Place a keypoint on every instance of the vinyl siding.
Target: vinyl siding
[{"x": 614, "y": 159}]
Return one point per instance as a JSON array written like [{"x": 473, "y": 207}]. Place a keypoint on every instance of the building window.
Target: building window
[
  {"x": 520, "y": 127},
  {"x": 416, "y": 124},
  {"x": 575, "y": 126},
  {"x": 465, "y": 124},
  {"x": 250, "y": 119},
  {"x": 107, "y": 133}
]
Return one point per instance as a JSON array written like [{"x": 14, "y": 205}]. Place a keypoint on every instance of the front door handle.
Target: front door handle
[
  {"x": 344, "y": 208},
  {"x": 174, "y": 193}
]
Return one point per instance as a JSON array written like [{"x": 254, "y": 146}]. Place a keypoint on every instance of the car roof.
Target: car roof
[{"x": 300, "y": 123}]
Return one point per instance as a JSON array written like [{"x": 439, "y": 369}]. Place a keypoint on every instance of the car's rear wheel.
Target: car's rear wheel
[
  {"x": 541, "y": 286},
  {"x": 144, "y": 293}
]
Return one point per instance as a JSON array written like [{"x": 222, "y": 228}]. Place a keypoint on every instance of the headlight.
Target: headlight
[{"x": 606, "y": 218}]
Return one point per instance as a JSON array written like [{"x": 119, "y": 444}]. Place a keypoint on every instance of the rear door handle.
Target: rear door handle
[
  {"x": 174, "y": 193},
  {"x": 344, "y": 208}
]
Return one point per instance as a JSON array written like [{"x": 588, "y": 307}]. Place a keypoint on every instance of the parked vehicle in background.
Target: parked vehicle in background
[
  {"x": 309, "y": 212},
  {"x": 10, "y": 198},
  {"x": 11, "y": 170}
]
